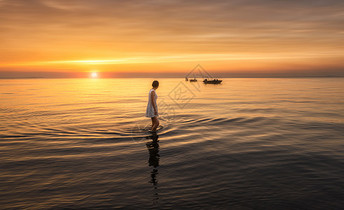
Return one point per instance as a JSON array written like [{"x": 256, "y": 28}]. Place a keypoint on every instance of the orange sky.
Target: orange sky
[{"x": 164, "y": 36}]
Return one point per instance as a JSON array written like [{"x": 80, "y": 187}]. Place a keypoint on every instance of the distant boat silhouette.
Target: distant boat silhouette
[
  {"x": 212, "y": 81},
  {"x": 193, "y": 80}
]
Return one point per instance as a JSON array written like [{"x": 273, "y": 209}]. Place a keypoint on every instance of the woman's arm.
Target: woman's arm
[{"x": 152, "y": 101}]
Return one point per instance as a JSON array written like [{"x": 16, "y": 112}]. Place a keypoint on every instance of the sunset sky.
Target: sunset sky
[{"x": 170, "y": 37}]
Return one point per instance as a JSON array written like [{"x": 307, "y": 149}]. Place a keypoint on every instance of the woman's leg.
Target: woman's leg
[{"x": 155, "y": 123}]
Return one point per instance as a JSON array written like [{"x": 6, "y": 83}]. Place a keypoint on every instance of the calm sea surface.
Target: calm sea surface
[{"x": 244, "y": 144}]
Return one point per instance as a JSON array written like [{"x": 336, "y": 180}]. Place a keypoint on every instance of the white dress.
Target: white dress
[{"x": 150, "y": 108}]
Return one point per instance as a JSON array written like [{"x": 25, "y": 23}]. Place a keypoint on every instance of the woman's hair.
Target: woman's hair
[{"x": 155, "y": 84}]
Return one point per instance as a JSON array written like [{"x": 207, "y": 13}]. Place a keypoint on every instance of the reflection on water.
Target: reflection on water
[
  {"x": 245, "y": 144},
  {"x": 154, "y": 157}
]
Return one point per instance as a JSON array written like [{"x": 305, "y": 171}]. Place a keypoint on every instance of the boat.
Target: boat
[
  {"x": 212, "y": 81},
  {"x": 186, "y": 79},
  {"x": 193, "y": 80}
]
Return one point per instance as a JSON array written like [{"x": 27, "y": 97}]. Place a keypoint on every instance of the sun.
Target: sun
[{"x": 94, "y": 75}]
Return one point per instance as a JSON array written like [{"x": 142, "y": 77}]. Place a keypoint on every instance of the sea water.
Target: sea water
[{"x": 248, "y": 143}]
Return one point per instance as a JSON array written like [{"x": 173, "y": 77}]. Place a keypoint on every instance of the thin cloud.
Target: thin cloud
[{"x": 185, "y": 58}]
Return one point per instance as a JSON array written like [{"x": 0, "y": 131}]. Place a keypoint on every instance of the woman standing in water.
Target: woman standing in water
[{"x": 152, "y": 107}]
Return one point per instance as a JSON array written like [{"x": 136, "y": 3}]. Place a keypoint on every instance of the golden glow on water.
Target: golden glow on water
[{"x": 90, "y": 136}]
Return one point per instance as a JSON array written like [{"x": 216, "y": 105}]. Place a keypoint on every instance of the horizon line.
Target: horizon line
[{"x": 176, "y": 77}]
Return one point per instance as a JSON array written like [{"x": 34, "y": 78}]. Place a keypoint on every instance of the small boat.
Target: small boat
[
  {"x": 193, "y": 80},
  {"x": 212, "y": 81}
]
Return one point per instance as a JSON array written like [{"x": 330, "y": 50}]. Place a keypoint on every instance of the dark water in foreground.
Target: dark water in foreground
[{"x": 245, "y": 144}]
